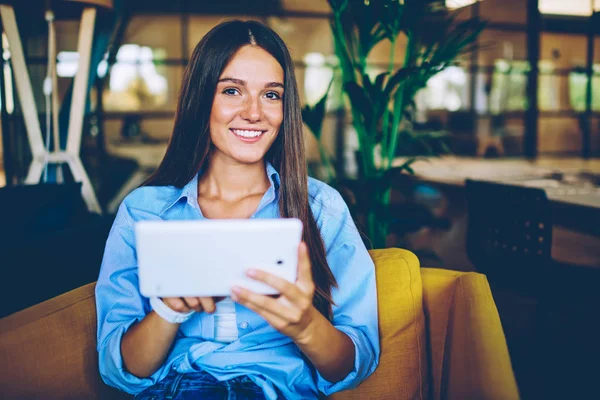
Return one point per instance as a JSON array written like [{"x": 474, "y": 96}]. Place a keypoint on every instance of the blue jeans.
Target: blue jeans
[{"x": 201, "y": 385}]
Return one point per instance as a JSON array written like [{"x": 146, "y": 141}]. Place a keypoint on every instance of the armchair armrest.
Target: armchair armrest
[
  {"x": 49, "y": 350},
  {"x": 469, "y": 357}
]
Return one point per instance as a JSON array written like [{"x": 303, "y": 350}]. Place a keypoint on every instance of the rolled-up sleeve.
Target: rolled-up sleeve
[
  {"x": 355, "y": 309},
  {"x": 119, "y": 305}
]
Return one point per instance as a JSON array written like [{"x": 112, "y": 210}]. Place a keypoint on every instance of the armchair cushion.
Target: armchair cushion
[{"x": 402, "y": 370}]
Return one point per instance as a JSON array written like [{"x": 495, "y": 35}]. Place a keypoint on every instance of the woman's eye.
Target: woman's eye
[
  {"x": 273, "y": 96},
  {"x": 230, "y": 92}
]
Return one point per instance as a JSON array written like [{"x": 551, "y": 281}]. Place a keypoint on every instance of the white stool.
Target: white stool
[{"x": 41, "y": 156}]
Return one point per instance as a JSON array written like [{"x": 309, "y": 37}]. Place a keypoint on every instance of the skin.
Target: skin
[{"x": 249, "y": 96}]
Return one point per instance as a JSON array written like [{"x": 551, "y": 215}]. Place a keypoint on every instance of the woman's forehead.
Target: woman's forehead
[{"x": 253, "y": 65}]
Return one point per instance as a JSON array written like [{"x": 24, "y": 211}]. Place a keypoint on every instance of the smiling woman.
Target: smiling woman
[
  {"x": 237, "y": 151},
  {"x": 248, "y": 107}
]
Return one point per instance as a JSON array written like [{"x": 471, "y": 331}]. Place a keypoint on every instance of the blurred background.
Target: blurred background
[{"x": 482, "y": 102}]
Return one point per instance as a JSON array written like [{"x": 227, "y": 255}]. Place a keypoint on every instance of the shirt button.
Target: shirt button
[{"x": 244, "y": 325}]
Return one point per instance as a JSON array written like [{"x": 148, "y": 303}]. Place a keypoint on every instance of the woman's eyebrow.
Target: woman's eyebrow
[
  {"x": 274, "y": 85},
  {"x": 243, "y": 83},
  {"x": 233, "y": 80}
]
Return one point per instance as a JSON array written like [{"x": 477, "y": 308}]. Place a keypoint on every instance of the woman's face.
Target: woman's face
[{"x": 247, "y": 110}]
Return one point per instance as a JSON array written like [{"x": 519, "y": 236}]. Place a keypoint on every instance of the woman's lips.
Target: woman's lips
[{"x": 248, "y": 135}]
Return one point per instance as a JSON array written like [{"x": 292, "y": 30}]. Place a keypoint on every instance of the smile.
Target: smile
[{"x": 247, "y": 134}]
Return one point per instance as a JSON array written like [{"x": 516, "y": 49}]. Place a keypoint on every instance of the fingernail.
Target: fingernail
[{"x": 251, "y": 272}]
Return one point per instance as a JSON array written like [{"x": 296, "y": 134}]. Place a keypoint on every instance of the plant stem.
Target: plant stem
[
  {"x": 347, "y": 63},
  {"x": 399, "y": 103},
  {"x": 386, "y": 113},
  {"x": 377, "y": 223}
]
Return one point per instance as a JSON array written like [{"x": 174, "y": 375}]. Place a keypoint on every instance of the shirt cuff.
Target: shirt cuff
[
  {"x": 364, "y": 363},
  {"x": 166, "y": 313}
]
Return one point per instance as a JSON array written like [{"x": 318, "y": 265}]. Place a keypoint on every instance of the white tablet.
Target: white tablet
[{"x": 208, "y": 257}]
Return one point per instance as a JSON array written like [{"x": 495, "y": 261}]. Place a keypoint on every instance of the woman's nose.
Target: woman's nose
[{"x": 252, "y": 110}]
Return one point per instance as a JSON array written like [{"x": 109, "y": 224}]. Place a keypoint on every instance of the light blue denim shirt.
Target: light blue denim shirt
[{"x": 268, "y": 357}]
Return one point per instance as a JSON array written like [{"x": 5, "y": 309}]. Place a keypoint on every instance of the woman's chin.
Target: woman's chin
[{"x": 246, "y": 158}]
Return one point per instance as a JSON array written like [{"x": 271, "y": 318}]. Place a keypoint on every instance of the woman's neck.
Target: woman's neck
[{"x": 232, "y": 181}]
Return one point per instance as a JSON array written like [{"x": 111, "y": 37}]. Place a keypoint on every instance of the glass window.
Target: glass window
[
  {"x": 447, "y": 90},
  {"x": 317, "y": 73},
  {"x": 306, "y": 5},
  {"x": 199, "y": 25},
  {"x": 483, "y": 85},
  {"x": 553, "y": 92},
  {"x": 577, "y": 87},
  {"x": 501, "y": 45},
  {"x": 160, "y": 33},
  {"x": 507, "y": 11},
  {"x": 565, "y": 51},
  {"x": 559, "y": 135},
  {"x": 304, "y": 35},
  {"x": 139, "y": 82},
  {"x": 562, "y": 7},
  {"x": 67, "y": 36},
  {"x": 380, "y": 54},
  {"x": 508, "y": 90},
  {"x": 452, "y": 4}
]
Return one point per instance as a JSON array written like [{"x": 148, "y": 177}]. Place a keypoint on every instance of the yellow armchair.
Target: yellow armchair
[{"x": 441, "y": 338}]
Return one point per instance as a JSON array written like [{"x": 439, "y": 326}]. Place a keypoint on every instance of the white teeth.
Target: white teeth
[{"x": 247, "y": 134}]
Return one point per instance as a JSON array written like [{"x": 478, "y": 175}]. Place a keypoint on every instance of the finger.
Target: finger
[
  {"x": 208, "y": 304},
  {"x": 304, "y": 265},
  {"x": 283, "y": 286},
  {"x": 192, "y": 303},
  {"x": 286, "y": 311},
  {"x": 176, "y": 304}
]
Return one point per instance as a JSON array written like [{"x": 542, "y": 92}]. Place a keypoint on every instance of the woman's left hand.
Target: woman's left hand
[{"x": 292, "y": 312}]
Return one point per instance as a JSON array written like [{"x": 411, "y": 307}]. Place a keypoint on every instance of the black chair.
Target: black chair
[
  {"x": 509, "y": 238},
  {"x": 509, "y": 235}
]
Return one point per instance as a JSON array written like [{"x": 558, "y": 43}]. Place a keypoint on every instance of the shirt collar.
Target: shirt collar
[
  {"x": 273, "y": 176},
  {"x": 190, "y": 190}
]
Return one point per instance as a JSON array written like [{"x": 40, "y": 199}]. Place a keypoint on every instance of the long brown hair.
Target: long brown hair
[{"x": 190, "y": 144}]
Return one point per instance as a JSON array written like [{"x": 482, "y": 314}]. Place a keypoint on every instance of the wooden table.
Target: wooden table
[{"x": 576, "y": 203}]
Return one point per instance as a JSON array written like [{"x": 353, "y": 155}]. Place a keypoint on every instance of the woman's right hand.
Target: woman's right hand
[{"x": 198, "y": 304}]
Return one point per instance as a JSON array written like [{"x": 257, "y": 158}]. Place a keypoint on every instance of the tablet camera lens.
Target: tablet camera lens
[{"x": 279, "y": 262}]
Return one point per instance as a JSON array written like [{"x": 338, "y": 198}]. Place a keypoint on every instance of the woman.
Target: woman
[{"x": 237, "y": 151}]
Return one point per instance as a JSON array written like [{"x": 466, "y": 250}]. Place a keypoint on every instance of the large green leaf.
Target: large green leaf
[
  {"x": 360, "y": 100},
  {"x": 313, "y": 117}
]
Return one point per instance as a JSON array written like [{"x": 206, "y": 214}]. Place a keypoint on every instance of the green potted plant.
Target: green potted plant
[{"x": 382, "y": 107}]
